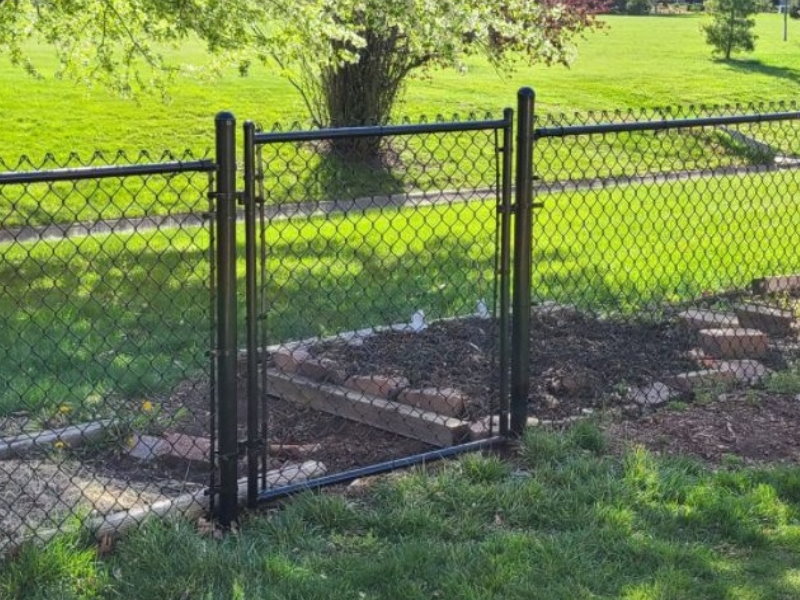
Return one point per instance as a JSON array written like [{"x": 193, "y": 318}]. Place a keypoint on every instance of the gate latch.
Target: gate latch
[{"x": 245, "y": 445}]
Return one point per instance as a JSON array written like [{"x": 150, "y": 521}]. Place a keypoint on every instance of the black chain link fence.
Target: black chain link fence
[
  {"x": 377, "y": 296},
  {"x": 365, "y": 321},
  {"x": 653, "y": 231},
  {"x": 105, "y": 330}
]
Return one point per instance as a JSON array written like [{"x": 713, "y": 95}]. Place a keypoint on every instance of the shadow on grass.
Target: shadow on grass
[{"x": 756, "y": 66}]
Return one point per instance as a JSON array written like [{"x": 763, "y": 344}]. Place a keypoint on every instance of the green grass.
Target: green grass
[
  {"x": 99, "y": 322},
  {"x": 634, "y": 62},
  {"x": 567, "y": 521}
]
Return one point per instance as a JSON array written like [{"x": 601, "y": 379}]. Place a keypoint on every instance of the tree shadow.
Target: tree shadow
[
  {"x": 333, "y": 175},
  {"x": 757, "y": 66}
]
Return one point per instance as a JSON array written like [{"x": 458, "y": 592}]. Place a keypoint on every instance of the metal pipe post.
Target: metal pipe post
[
  {"x": 505, "y": 264},
  {"x": 251, "y": 307},
  {"x": 227, "y": 436},
  {"x": 520, "y": 346}
]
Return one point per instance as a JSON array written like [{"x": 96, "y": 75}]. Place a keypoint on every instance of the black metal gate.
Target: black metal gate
[
  {"x": 357, "y": 240},
  {"x": 377, "y": 299}
]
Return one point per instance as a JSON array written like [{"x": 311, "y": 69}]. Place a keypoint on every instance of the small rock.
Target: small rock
[
  {"x": 487, "y": 426},
  {"x": 181, "y": 447},
  {"x": 654, "y": 394},
  {"x": 147, "y": 447},
  {"x": 549, "y": 401},
  {"x": 580, "y": 382},
  {"x": 631, "y": 410},
  {"x": 418, "y": 322}
]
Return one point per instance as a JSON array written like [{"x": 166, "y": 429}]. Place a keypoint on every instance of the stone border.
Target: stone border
[
  {"x": 13, "y": 446},
  {"x": 188, "y": 506}
]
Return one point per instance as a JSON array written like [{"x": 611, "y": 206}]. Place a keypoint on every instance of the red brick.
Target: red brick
[
  {"x": 288, "y": 360},
  {"x": 734, "y": 343},
  {"x": 322, "y": 369},
  {"x": 384, "y": 386},
  {"x": 187, "y": 448},
  {"x": 769, "y": 319},
  {"x": 445, "y": 401}
]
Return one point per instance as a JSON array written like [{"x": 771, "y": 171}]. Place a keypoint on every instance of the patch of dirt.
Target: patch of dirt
[
  {"x": 577, "y": 361},
  {"x": 40, "y": 493},
  {"x": 755, "y": 426},
  {"x": 342, "y": 444}
]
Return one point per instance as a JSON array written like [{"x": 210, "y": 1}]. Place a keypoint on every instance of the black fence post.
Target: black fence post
[
  {"x": 506, "y": 199},
  {"x": 520, "y": 345},
  {"x": 227, "y": 435},
  {"x": 251, "y": 303}
]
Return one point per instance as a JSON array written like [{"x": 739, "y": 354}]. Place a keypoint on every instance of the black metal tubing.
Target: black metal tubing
[
  {"x": 378, "y": 468},
  {"x": 600, "y": 128},
  {"x": 251, "y": 309},
  {"x": 375, "y": 131},
  {"x": 520, "y": 345},
  {"x": 228, "y": 447},
  {"x": 505, "y": 264},
  {"x": 197, "y": 166}
]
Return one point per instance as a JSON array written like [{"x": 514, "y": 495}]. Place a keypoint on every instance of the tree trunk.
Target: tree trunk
[{"x": 364, "y": 93}]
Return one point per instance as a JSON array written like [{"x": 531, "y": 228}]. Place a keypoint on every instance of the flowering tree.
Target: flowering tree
[{"x": 348, "y": 59}]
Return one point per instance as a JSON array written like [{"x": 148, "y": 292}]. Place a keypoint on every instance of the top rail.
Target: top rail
[
  {"x": 600, "y": 128},
  {"x": 376, "y": 131},
  {"x": 106, "y": 171}
]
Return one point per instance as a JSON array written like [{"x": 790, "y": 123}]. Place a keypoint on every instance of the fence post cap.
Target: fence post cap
[
  {"x": 526, "y": 92},
  {"x": 224, "y": 115}
]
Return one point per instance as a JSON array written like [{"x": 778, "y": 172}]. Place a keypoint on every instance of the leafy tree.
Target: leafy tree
[
  {"x": 348, "y": 59},
  {"x": 731, "y": 29}
]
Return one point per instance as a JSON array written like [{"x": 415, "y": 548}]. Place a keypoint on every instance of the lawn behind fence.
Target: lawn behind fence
[{"x": 633, "y": 62}]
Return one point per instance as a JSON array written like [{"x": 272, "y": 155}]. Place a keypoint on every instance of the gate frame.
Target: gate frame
[{"x": 504, "y": 213}]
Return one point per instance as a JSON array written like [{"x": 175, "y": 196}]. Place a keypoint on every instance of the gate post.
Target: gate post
[
  {"x": 227, "y": 435},
  {"x": 520, "y": 344},
  {"x": 251, "y": 302},
  {"x": 505, "y": 210}
]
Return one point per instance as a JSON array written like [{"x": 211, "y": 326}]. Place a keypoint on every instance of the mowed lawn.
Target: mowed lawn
[
  {"x": 125, "y": 317},
  {"x": 565, "y": 520},
  {"x": 633, "y": 62}
]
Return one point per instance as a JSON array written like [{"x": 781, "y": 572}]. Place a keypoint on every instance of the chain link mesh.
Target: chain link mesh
[
  {"x": 106, "y": 327},
  {"x": 647, "y": 247},
  {"x": 378, "y": 295}
]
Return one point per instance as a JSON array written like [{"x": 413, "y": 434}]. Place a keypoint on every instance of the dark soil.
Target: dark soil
[
  {"x": 577, "y": 361},
  {"x": 757, "y": 427},
  {"x": 343, "y": 444}
]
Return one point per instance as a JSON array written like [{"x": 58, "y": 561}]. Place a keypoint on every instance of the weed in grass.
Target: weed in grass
[
  {"x": 784, "y": 382},
  {"x": 677, "y": 406}
]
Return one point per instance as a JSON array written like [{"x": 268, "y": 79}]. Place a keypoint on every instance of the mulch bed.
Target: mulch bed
[
  {"x": 755, "y": 426},
  {"x": 577, "y": 361}
]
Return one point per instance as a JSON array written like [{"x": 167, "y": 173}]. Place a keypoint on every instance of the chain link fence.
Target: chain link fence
[
  {"x": 182, "y": 334},
  {"x": 662, "y": 242},
  {"x": 106, "y": 291},
  {"x": 380, "y": 257}
]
